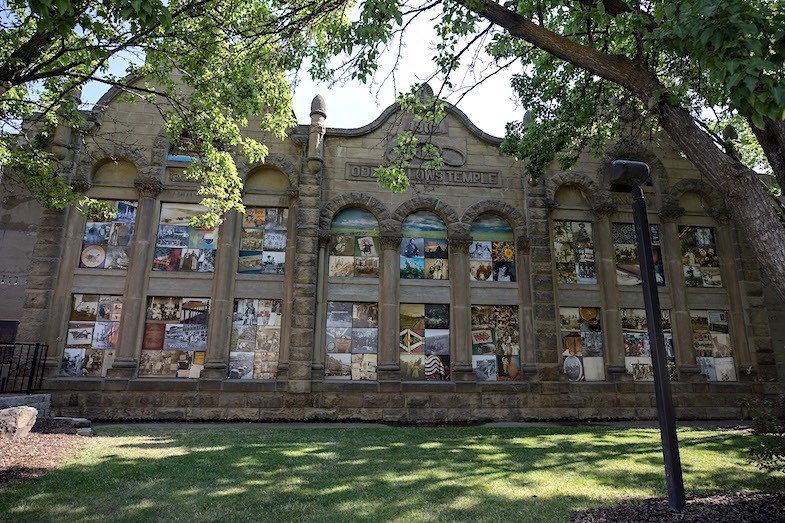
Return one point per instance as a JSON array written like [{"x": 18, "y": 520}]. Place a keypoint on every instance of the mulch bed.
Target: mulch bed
[
  {"x": 743, "y": 507},
  {"x": 50, "y": 444}
]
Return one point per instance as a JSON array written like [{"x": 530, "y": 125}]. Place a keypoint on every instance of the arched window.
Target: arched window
[
  {"x": 354, "y": 251},
  {"x": 424, "y": 251},
  {"x": 492, "y": 255}
]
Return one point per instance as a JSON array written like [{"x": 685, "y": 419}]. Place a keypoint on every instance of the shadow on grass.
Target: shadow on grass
[{"x": 255, "y": 473}]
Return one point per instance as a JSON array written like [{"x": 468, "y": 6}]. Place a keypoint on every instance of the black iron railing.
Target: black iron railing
[{"x": 22, "y": 366}]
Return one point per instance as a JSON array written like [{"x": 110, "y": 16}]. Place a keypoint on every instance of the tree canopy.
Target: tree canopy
[{"x": 687, "y": 68}]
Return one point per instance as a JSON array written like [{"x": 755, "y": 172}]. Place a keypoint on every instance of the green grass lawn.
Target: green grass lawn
[{"x": 258, "y": 473}]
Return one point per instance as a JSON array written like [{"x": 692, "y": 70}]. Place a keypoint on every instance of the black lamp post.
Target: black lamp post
[{"x": 628, "y": 175}]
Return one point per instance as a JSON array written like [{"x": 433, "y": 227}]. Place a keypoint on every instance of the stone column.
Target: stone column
[
  {"x": 129, "y": 344},
  {"x": 221, "y": 306},
  {"x": 389, "y": 299},
  {"x": 317, "y": 367},
  {"x": 730, "y": 281},
  {"x": 460, "y": 300},
  {"x": 680, "y": 309},
  {"x": 70, "y": 239},
  {"x": 288, "y": 285},
  {"x": 526, "y": 310},
  {"x": 605, "y": 262}
]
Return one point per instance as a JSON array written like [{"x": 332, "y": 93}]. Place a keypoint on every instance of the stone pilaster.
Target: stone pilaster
[
  {"x": 389, "y": 300},
  {"x": 221, "y": 306},
  {"x": 680, "y": 311},
  {"x": 320, "y": 321},
  {"x": 609, "y": 296},
  {"x": 132, "y": 324},
  {"x": 526, "y": 310},
  {"x": 730, "y": 280},
  {"x": 460, "y": 308}
]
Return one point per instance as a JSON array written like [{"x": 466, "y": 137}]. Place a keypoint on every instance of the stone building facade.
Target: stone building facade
[{"x": 475, "y": 295}]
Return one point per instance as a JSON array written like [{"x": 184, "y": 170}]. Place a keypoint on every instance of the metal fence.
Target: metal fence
[{"x": 22, "y": 366}]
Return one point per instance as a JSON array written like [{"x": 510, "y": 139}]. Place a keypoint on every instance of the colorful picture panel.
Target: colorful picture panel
[
  {"x": 712, "y": 343},
  {"x": 354, "y": 250},
  {"x": 263, "y": 240},
  {"x": 573, "y": 251},
  {"x": 178, "y": 246},
  {"x": 496, "y": 342},
  {"x": 637, "y": 346},
  {"x": 353, "y": 330},
  {"x": 424, "y": 341},
  {"x": 107, "y": 245},
  {"x": 91, "y": 335},
  {"x": 628, "y": 269},
  {"x": 424, "y": 249},
  {"x": 581, "y": 343},
  {"x": 255, "y": 342},
  {"x": 699, "y": 257}
]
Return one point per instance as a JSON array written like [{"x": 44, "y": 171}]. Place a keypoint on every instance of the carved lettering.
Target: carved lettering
[{"x": 457, "y": 177}]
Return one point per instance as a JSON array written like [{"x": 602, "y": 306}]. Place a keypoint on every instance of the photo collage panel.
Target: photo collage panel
[
  {"x": 263, "y": 240},
  {"x": 424, "y": 341},
  {"x": 107, "y": 245},
  {"x": 255, "y": 343},
  {"x": 699, "y": 257},
  {"x": 352, "y": 340},
  {"x": 711, "y": 340},
  {"x": 637, "y": 347},
  {"x": 492, "y": 254},
  {"x": 581, "y": 343},
  {"x": 496, "y": 344},
  {"x": 180, "y": 247},
  {"x": 175, "y": 337},
  {"x": 91, "y": 339},
  {"x": 424, "y": 249},
  {"x": 354, "y": 249},
  {"x": 628, "y": 268},
  {"x": 573, "y": 250}
]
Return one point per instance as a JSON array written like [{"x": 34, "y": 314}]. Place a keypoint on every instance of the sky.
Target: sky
[{"x": 353, "y": 104}]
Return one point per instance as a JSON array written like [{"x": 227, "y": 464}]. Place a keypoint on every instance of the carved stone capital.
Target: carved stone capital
[
  {"x": 605, "y": 208},
  {"x": 324, "y": 238},
  {"x": 390, "y": 240},
  {"x": 551, "y": 204},
  {"x": 524, "y": 244},
  {"x": 148, "y": 188},
  {"x": 723, "y": 215},
  {"x": 460, "y": 244},
  {"x": 80, "y": 185},
  {"x": 293, "y": 193},
  {"x": 671, "y": 213}
]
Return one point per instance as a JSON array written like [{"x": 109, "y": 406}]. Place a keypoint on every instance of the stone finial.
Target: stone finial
[
  {"x": 148, "y": 188},
  {"x": 319, "y": 106},
  {"x": 316, "y": 132},
  {"x": 80, "y": 185}
]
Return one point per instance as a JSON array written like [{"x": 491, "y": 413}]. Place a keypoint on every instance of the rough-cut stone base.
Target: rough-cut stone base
[
  {"x": 16, "y": 422},
  {"x": 408, "y": 402}
]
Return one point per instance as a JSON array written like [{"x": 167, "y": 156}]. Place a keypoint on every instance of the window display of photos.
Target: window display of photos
[
  {"x": 711, "y": 340},
  {"x": 699, "y": 257},
  {"x": 581, "y": 343},
  {"x": 492, "y": 254},
  {"x": 175, "y": 337},
  {"x": 352, "y": 340},
  {"x": 180, "y": 247},
  {"x": 573, "y": 250},
  {"x": 107, "y": 245},
  {"x": 628, "y": 269},
  {"x": 263, "y": 240},
  {"x": 91, "y": 338},
  {"x": 424, "y": 247},
  {"x": 496, "y": 349},
  {"x": 354, "y": 250},
  {"x": 637, "y": 347},
  {"x": 255, "y": 344},
  {"x": 425, "y": 341}
]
